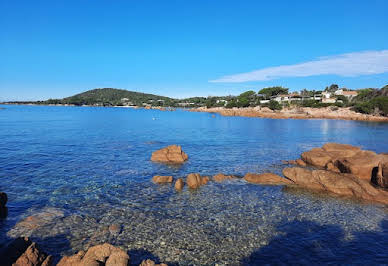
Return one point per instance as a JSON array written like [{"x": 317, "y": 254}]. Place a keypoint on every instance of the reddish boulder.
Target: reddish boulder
[
  {"x": 195, "y": 180},
  {"x": 363, "y": 165},
  {"x": 21, "y": 252},
  {"x": 266, "y": 179},
  {"x": 316, "y": 157},
  {"x": 179, "y": 184},
  {"x": 104, "y": 254},
  {"x": 160, "y": 179},
  {"x": 382, "y": 174},
  {"x": 340, "y": 184},
  {"x": 221, "y": 177},
  {"x": 171, "y": 154},
  {"x": 33, "y": 257},
  {"x": 300, "y": 162},
  {"x": 341, "y": 150}
]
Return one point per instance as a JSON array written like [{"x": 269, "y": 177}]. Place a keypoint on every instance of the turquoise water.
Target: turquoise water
[{"x": 85, "y": 168}]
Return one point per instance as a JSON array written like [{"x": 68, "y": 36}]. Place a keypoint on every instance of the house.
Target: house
[
  {"x": 264, "y": 101},
  {"x": 326, "y": 95},
  {"x": 350, "y": 94},
  {"x": 328, "y": 100}
]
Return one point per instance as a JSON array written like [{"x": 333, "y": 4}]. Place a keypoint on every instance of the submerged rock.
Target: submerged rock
[
  {"x": 340, "y": 184},
  {"x": 24, "y": 252},
  {"x": 179, "y": 184},
  {"x": 159, "y": 179},
  {"x": 35, "y": 221},
  {"x": 266, "y": 179},
  {"x": 170, "y": 154},
  {"x": 104, "y": 254},
  {"x": 221, "y": 177},
  {"x": 151, "y": 263}
]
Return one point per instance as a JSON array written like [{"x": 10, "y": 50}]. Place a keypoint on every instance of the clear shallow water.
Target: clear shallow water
[{"x": 82, "y": 169}]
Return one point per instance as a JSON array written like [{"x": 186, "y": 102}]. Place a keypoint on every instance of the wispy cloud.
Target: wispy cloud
[{"x": 349, "y": 65}]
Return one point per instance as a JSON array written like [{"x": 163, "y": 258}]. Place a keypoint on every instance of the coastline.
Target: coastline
[
  {"x": 294, "y": 113},
  {"x": 338, "y": 113}
]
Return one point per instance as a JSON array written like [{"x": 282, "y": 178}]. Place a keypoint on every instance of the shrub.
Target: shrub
[{"x": 274, "y": 105}]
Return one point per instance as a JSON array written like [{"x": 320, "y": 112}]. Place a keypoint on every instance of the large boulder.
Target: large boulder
[
  {"x": 343, "y": 150},
  {"x": 317, "y": 157},
  {"x": 104, "y": 254},
  {"x": 382, "y": 174},
  {"x": 336, "y": 183},
  {"x": 266, "y": 179},
  {"x": 363, "y": 165},
  {"x": 195, "y": 180},
  {"x": 172, "y": 154},
  {"x": 160, "y": 179},
  {"x": 24, "y": 252}
]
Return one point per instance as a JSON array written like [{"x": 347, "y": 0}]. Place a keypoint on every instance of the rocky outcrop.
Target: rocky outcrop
[
  {"x": 179, "y": 184},
  {"x": 266, "y": 179},
  {"x": 220, "y": 177},
  {"x": 294, "y": 113},
  {"x": 382, "y": 174},
  {"x": 172, "y": 154},
  {"x": 151, "y": 263},
  {"x": 160, "y": 179},
  {"x": 346, "y": 185},
  {"x": 344, "y": 158},
  {"x": 104, "y": 254},
  {"x": 24, "y": 252},
  {"x": 195, "y": 180}
]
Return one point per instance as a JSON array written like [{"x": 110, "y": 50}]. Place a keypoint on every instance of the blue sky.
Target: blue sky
[{"x": 53, "y": 49}]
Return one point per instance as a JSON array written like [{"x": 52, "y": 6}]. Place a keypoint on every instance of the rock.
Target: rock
[
  {"x": 21, "y": 252},
  {"x": 149, "y": 262},
  {"x": 363, "y": 165},
  {"x": 382, "y": 175},
  {"x": 205, "y": 180},
  {"x": 300, "y": 162},
  {"x": 160, "y": 179},
  {"x": 170, "y": 154},
  {"x": 336, "y": 183},
  {"x": 195, "y": 180},
  {"x": 266, "y": 179},
  {"x": 3, "y": 199},
  {"x": 104, "y": 254},
  {"x": 179, "y": 184},
  {"x": 221, "y": 177},
  {"x": 114, "y": 229},
  {"x": 33, "y": 257},
  {"x": 331, "y": 167},
  {"x": 316, "y": 157},
  {"x": 31, "y": 223},
  {"x": 343, "y": 150}
]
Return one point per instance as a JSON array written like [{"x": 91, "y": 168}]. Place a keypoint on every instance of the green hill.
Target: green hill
[{"x": 114, "y": 97}]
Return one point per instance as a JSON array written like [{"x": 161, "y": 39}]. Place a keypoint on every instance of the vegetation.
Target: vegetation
[{"x": 368, "y": 101}]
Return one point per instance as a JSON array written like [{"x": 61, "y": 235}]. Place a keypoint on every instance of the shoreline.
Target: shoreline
[
  {"x": 294, "y": 113},
  {"x": 339, "y": 113}
]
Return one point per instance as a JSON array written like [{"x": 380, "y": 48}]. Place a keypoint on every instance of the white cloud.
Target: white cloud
[{"x": 349, "y": 65}]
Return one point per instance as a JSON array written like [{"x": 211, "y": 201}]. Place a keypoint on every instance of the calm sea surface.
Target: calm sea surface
[{"x": 80, "y": 170}]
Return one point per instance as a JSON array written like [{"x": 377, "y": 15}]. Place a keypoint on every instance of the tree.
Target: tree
[
  {"x": 274, "y": 105},
  {"x": 332, "y": 88},
  {"x": 272, "y": 91}
]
